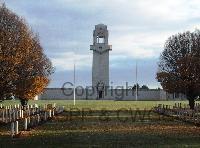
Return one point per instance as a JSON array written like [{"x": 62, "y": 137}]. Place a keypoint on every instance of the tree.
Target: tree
[
  {"x": 179, "y": 66},
  {"x": 24, "y": 68},
  {"x": 145, "y": 87},
  {"x": 10, "y": 26},
  {"x": 34, "y": 77},
  {"x": 134, "y": 86}
]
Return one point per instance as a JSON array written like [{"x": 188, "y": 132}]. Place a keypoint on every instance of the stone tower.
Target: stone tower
[{"x": 100, "y": 66}]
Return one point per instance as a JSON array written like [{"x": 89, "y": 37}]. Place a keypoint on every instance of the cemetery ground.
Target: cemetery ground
[{"x": 105, "y": 124}]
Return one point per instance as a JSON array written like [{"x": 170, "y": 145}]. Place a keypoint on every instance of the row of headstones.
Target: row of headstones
[
  {"x": 179, "y": 106},
  {"x": 179, "y": 112},
  {"x": 18, "y": 106},
  {"x": 35, "y": 120},
  {"x": 186, "y": 106},
  {"x": 15, "y": 112},
  {"x": 30, "y": 121}
]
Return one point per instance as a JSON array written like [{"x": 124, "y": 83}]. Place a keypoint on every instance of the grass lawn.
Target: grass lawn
[
  {"x": 100, "y": 129},
  {"x": 100, "y": 104}
]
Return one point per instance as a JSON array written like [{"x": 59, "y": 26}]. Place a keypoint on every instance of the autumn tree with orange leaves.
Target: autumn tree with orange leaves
[
  {"x": 179, "y": 66},
  {"x": 24, "y": 68}
]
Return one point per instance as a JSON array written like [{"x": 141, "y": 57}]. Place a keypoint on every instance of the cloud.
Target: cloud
[
  {"x": 138, "y": 29},
  {"x": 66, "y": 61}
]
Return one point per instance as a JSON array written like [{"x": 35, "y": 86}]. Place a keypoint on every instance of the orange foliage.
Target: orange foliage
[
  {"x": 24, "y": 68},
  {"x": 31, "y": 87}
]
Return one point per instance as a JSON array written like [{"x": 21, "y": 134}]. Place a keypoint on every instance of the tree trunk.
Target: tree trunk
[{"x": 191, "y": 103}]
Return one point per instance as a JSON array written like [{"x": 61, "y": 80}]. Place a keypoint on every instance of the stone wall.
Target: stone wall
[{"x": 115, "y": 94}]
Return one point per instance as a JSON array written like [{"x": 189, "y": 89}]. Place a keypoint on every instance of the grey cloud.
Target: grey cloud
[{"x": 67, "y": 25}]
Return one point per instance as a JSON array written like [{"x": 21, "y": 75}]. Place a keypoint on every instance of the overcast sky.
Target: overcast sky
[{"x": 138, "y": 30}]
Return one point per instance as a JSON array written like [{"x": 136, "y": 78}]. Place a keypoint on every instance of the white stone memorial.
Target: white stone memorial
[{"x": 100, "y": 65}]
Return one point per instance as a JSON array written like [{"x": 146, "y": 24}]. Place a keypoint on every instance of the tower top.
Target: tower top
[
  {"x": 100, "y": 27},
  {"x": 100, "y": 39},
  {"x": 100, "y": 34}
]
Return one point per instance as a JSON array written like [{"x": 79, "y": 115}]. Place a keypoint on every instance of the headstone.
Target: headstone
[
  {"x": 14, "y": 115},
  {"x": 12, "y": 129},
  {"x": 10, "y": 115},
  {"x": 38, "y": 118},
  {"x": 3, "y": 115},
  {"x": 25, "y": 124},
  {"x": 50, "y": 114},
  {"x": 16, "y": 128},
  {"x": 17, "y": 114},
  {"x": 45, "y": 116},
  {"x": 53, "y": 113},
  {"x": 45, "y": 106},
  {"x": 22, "y": 114},
  {"x": 6, "y": 115},
  {"x": 29, "y": 120}
]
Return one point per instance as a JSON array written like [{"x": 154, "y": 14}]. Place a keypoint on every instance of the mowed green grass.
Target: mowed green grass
[
  {"x": 100, "y": 104},
  {"x": 94, "y": 130},
  {"x": 91, "y": 132}
]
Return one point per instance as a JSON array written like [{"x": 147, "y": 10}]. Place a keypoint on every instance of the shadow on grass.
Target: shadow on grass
[
  {"x": 62, "y": 132},
  {"x": 86, "y": 140}
]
